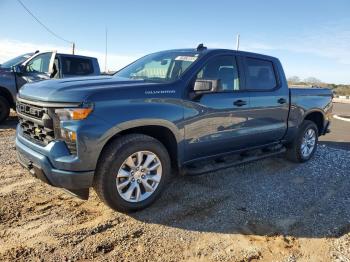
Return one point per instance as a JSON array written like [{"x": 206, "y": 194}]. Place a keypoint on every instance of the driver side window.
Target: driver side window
[
  {"x": 39, "y": 64},
  {"x": 223, "y": 69}
]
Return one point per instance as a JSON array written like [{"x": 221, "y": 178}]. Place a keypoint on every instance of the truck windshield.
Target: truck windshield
[
  {"x": 160, "y": 67},
  {"x": 17, "y": 60}
]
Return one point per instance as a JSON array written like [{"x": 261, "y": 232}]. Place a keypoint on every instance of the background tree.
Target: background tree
[
  {"x": 312, "y": 80},
  {"x": 293, "y": 79}
]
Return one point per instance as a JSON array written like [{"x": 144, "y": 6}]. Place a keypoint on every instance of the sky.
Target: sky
[{"x": 311, "y": 38}]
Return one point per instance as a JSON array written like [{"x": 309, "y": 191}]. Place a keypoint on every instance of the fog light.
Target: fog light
[{"x": 69, "y": 136}]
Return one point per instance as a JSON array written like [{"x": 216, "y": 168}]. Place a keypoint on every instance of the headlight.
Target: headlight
[
  {"x": 73, "y": 113},
  {"x": 67, "y": 114}
]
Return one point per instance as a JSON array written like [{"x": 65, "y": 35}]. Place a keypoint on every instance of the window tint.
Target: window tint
[
  {"x": 39, "y": 64},
  {"x": 76, "y": 66},
  {"x": 260, "y": 74},
  {"x": 224, "y": 69}
]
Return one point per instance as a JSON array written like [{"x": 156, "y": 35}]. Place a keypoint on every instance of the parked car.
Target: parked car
[
  {"x": 38, "y": 66},
  {"x": 176, "y": 109}
]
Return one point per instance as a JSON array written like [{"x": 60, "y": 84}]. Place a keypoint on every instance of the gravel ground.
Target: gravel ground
[{"x": 269, "y": 210}]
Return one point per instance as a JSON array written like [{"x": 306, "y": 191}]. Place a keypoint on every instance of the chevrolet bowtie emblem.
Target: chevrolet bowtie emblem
[{"x": 37, "y": 131}]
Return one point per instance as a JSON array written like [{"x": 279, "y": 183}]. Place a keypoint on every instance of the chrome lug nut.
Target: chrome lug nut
[
  {"x": 138, "y": 181},
  {"x": 143, "y": 176},
  {"x": 133, "y": 180}
]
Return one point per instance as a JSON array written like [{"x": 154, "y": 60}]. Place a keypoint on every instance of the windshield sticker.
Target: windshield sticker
[{"x": 186, "y": 58}]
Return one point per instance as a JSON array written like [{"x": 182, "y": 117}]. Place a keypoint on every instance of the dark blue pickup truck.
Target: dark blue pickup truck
[{"x": 186, "y": 111}]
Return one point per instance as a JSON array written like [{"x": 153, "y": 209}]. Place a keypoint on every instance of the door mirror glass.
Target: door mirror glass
[{"x": 205, "y": 86}]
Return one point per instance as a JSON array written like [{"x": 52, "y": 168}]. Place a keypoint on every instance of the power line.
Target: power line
[{"x": 43, "y": 25}]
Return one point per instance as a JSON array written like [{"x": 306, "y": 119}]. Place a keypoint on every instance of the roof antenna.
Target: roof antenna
[
  {"x": 237, "y": 42},
  {"x": 201, "y": 47},
  {"x": 106, "y": 50}
]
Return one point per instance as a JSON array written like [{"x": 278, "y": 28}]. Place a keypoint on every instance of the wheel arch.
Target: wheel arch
[
  {"x": 165, "y": 132},
  {"x": 7, "y": 95},
  {"x": 316, "y": 116}
]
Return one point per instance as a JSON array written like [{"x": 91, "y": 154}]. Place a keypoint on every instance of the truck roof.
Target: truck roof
[
  {"x": 78, "y": 56},
  {"x": 221, "y": 50}
]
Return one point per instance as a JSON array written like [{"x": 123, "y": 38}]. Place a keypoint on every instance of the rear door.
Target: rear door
[
  {"x": 269, "y": 100},
  {"x": 215, "y": 122},
  {"x": 39, "y": 68}
]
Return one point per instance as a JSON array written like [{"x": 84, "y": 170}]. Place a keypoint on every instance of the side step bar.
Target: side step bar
[{"x": 203, "y": 167}]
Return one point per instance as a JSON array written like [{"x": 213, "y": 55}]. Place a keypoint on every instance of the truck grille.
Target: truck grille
[
  {"x": 36, "y": 123},
  {"x": 36, "y": 133}
]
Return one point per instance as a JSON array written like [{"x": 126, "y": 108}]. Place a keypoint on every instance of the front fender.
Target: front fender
[{"x": 127, "y": 114}]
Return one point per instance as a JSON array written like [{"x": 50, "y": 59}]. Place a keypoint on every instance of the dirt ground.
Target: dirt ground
[{"x": 269, "y": 210}]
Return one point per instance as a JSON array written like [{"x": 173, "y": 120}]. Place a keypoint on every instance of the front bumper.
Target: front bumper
[{"x": 39, "y": 165}]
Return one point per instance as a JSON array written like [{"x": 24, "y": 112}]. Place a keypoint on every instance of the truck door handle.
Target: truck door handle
[
  {"x": 282, "y": 101},
  {"x": 240, "y": 103}
]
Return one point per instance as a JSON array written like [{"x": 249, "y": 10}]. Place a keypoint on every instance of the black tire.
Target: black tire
[
  {"x": 112, "y": 158},
  {"x": 4, "y": 109},
  {"x": 294, "y": 152}
]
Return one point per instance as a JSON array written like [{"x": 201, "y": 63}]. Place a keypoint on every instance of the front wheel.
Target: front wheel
[
  {"x": 132, "y": 172},
  {"x": 305, "y": 143}
]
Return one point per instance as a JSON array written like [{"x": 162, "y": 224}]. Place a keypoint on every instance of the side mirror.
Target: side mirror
[
  {"x": 205, "y": 86},
  {"x": 19, "y": 69}
]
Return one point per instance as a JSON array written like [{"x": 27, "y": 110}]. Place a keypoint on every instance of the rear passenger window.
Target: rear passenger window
[
  {"x": 76, "y": 66},
  {"x": 260, "y": 74}
]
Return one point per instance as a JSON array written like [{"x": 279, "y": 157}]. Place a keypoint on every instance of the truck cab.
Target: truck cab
[{"x": 39, "y": 66}]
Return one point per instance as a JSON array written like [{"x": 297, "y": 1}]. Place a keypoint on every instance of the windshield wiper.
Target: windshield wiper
[
  {"x": 155, "y": 79},
  {"x": 136, "y": 77}
]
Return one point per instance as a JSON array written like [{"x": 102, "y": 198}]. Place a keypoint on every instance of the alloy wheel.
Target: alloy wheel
[
  {"x": 139, "y": 176},
  {"x": 308, "y": 142}
]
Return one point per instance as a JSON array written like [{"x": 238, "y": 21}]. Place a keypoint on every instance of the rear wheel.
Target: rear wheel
[
  {"x": 4, "y": 109},
  {"x": 132, "y": 172},
  {"x": 305, "y": 143}
]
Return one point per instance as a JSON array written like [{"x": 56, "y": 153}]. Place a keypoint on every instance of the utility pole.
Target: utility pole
[
  {"x": 73, "y": 48},
  {"x": 237, "y": 42},
  {"x": 106, "y": 52}
]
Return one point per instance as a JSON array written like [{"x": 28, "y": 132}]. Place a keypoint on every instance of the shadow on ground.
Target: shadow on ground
[
  {"x": 9, "y": 123},
  {"x": 269, "y": 197},
  {"x": 335, "y": 144}
]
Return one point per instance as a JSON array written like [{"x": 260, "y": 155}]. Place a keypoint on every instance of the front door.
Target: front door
[
  {"x": 215, "y": 121},
  {"x": 40, "y": 67}
]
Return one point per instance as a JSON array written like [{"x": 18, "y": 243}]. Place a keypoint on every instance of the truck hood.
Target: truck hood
[
  {"x": 76, "y": 89},
  {"x": 5, "y": 70}
]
